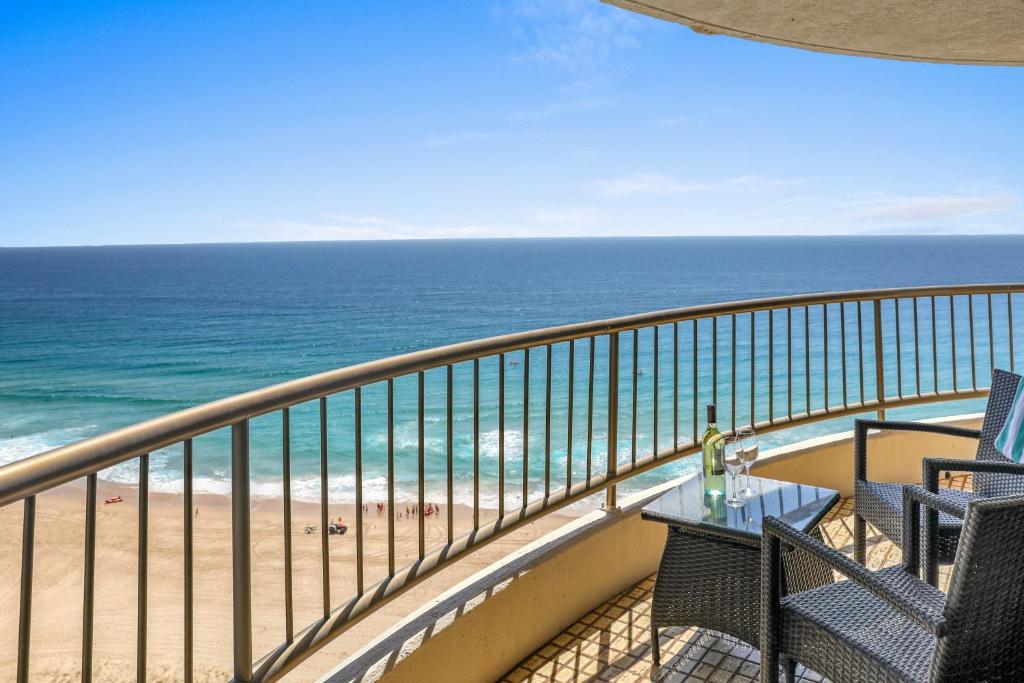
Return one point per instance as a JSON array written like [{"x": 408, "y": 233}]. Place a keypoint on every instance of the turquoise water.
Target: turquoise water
[{"x": 99, "y": 338}]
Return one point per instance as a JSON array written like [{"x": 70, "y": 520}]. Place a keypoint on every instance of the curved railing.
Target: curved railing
[{"x": 773, "y": 363}]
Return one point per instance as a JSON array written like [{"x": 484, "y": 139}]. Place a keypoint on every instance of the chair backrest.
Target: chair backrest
[
  {"x": 985, "y": 603},
  {"x": 1000, "y": 399}
]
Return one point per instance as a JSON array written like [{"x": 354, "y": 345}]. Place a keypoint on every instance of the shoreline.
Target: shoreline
[{"x": 58, "y": 578}]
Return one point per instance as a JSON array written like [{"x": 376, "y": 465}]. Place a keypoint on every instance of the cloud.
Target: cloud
[
  {"x": 455, "y": 138},
  {"x": 337, "y": 227},
  {"x": 577, "y": 215},
  {"x": 932, "y": 208},
  {"x": 577, "y": 37},
  {"x": 331, "y": 227},
  {"x": 658, "y": 184},
  {"x": 675, "y": 121},
  {"x": 580, "y": 104}
]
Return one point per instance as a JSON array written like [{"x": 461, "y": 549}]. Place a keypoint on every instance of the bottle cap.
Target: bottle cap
[{"x": 711, "y": 414}]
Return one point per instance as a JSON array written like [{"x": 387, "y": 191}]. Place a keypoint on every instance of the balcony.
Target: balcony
[
  {"x": 611, "y": 643},
  {"x": 604, "y": 414}
]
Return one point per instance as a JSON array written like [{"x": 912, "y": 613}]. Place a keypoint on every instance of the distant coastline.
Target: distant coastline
[{"x": 910, "y": 232}]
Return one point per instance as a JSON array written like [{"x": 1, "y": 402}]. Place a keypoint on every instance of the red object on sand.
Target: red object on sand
[{"x": 114, "y": 499}]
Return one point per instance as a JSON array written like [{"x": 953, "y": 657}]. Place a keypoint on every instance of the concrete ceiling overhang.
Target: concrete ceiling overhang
[{"x": 942, "y": 31}]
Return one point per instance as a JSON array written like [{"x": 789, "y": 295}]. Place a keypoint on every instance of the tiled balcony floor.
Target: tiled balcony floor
[{"x": 612, "y": 643}]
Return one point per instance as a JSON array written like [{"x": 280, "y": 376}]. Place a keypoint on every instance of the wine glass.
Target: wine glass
[
  {"x": 733, "y": 462},
  {"x": 748, "y": 453}
]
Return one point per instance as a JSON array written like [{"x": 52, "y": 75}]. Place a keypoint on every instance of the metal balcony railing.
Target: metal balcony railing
[{"x": 604, "y": 400}]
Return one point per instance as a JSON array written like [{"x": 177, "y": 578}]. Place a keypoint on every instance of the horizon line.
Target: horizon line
[{"x": 863, "y": 235}]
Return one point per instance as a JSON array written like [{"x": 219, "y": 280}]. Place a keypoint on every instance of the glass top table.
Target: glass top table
[
  {"x": 710, "y": 571},
  {"x": 799, "y": 505}
]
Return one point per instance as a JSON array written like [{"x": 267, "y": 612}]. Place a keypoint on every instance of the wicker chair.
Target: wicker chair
[
  {"x": 881, "y": 504},
  {"x": 891, "y": 626}
]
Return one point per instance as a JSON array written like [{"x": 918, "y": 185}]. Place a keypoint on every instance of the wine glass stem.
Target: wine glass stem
[{"x": 746, "y": 468}]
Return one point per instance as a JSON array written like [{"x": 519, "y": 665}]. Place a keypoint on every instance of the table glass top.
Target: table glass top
[{"x": 799, "y": 505}]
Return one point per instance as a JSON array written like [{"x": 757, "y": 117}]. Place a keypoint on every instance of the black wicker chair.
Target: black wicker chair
[
  {"x": 889, "y": 625},
  {"x": 881, "y": 504}
]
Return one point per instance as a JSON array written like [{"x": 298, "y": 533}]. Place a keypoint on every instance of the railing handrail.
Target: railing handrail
[{"x": 61, "y": 465}]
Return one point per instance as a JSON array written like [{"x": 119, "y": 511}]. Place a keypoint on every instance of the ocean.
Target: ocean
[{"x": 96, "y": 338}]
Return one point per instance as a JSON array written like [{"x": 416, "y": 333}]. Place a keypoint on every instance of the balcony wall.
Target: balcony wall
[{"x": 482, "y": 627}]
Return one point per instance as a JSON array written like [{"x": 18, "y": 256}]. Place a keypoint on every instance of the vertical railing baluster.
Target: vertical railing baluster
[
  {"x": 675, "y": 386},
  {"x": 771, "y": 367},
  {"x": 917, "y": 352},
  {"x": 753, "y": 354},
  {"x": 842, "y": 344},
  {"x": 695, "y": 382},
  {"x": 991, "y": 340},
  {"x": 1009, "y": 327},
  {"x": 391, "y": 474},
  {"x": 657, "y": 352},
  {"x": 714, "y": 360},
  {"x": 613, "y": 416},
  {"x": 879, "y": 360},
  {"x": 241, "y": 552},
  {"x": 935, "y": 349},
  {"x": 824, "y": 327},
  {"x": 187, "y": 559},
  {"x": 590, "y": 411},
  {"x": 526, "y": 426},
  {"x": 547, "y": 426},
  {"x": 286, "y": 470},
  {"x": 899, "y": 352},
  {"x": 860, "y": 347},
  {"x": 357, "y": 436},
  {"x": 89, "y": 577},
  {"x": 732, "y": 376},
  {"x": 325, "y": 550},
  {"x": 142, "y": 630},
  {"x": 569, "y": 416},
  {"x": 974, "y": 364},
  {"x": 476, "y": 445},
  {"x": 632, "y": 445},
  {"x": 789, "y": 362},
  {"x": 421, "y": 460},
  {"x": 28, "y": 544},
  {"x": 807, "y": 359},
  {"x": 501, "y": 435},
  {"x": 952, "y": 338},
  {"x": 450, "y": 457}
]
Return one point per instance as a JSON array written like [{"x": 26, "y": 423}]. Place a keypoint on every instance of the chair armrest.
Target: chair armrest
[
  {"x": 860, "y": 437},
  {"x": 775, "y": 531},
  {"x": 913, "y": 498},
  {"x": 921, "y": 496},
  {"x": 930, "y": 468}
]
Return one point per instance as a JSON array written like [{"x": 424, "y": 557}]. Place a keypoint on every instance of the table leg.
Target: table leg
[{"x": 789, "y": 664}]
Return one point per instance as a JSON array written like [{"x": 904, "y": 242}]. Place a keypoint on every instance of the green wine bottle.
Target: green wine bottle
[{"x": 713, "y": 446}]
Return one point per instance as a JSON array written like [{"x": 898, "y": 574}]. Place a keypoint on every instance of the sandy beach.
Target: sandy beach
[{"x": 57, "y": 597}]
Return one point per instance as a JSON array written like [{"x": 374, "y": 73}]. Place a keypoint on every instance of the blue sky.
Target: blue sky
[{"x": 156, "y": 122}]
